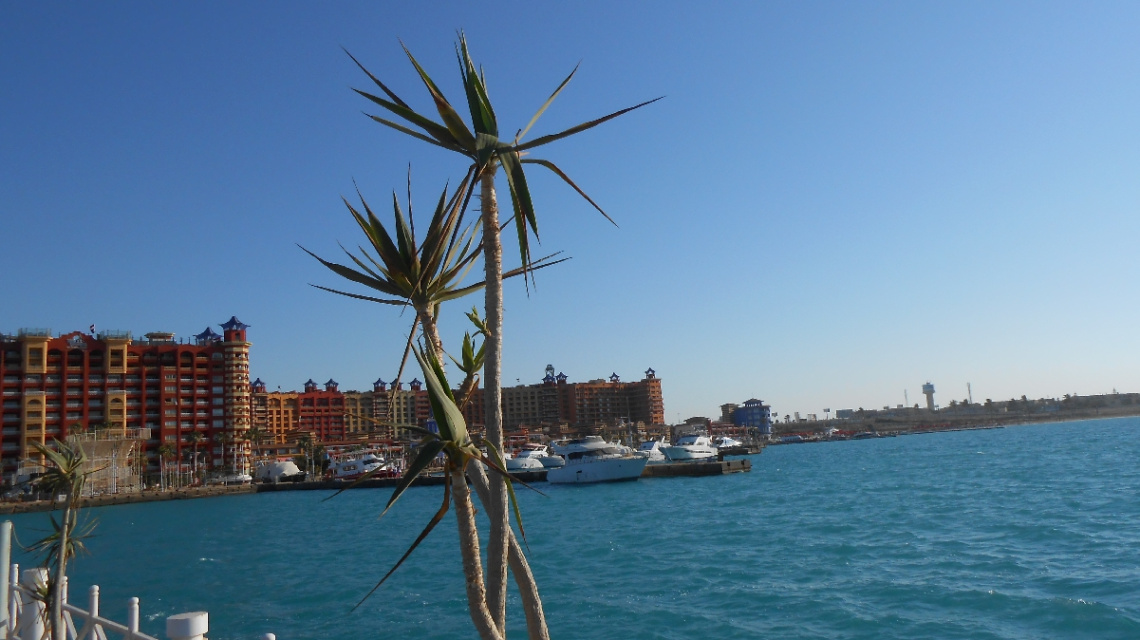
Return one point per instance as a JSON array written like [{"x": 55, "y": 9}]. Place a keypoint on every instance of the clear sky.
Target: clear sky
[{"x": 835, "y": 202}]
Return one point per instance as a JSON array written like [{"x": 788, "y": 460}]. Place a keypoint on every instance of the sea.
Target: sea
[{"x": 1026, "y": 532}]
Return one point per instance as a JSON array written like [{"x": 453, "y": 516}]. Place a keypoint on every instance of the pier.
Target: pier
[{"x": 701, "y": 468}]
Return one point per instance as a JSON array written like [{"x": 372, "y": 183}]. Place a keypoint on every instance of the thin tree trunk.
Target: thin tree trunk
[
  {"x": 472, "y": 562},
  {"x": 520, "y": 568},
  {"x": 431, "y": 333},
  {"x": 58, "y": 629},
  {"x": 492, "y": 374},
  {"x": 516, "y": 560}
]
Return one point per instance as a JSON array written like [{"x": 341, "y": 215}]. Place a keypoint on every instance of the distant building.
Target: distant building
[
  {"x": 755, "y": 414},
  {"x": 159, "y": 389},
  {"x": 584, "y": 405},
  {"x": 928, "y": 391}
]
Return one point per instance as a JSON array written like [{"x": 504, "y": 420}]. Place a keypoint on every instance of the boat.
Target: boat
[
  {"x": 354, "y": 466},
  {"x": 564, "y": 447},
  {"x": 589, "y": 464},
  {"x": 653, "y": 450},
  {"x": 726, "y": 442},
  {"x": 693, "y": 446},
  {"x": 534, "y": 457},
  {"x": 231, "y": 478}
]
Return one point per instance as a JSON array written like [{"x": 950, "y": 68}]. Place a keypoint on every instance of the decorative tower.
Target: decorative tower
[
  {"x": 236, "y": 392},
  {"x": 928, "y": 391}
]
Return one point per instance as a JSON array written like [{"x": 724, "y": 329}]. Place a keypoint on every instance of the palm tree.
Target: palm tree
[
  {"x": 409, "y": 272},
  {"x": 165, "y": 453},
  {"x": 222, "y": 438},
  {"x": 195, "y": 438},
  {"x": 305, "y": 445},
  {"x": 64, "y": 475},
  {"x": 424, "y": 274},
  {"x": 480, "y": 143}
]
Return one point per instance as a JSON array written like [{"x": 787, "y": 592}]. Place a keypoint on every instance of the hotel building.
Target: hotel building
[
  {"x": 158, "y": 390},
  {"x": 583, "y": 405}
]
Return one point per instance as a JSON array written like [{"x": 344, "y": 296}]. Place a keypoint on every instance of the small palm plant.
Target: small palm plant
[{"x": 64, "y": 478}]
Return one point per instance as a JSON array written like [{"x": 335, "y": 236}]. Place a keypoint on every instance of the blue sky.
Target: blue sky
[{"x": 834, "y": 203}]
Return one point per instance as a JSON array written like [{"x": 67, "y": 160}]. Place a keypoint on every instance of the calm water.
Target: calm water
[{"x": 1019, "y": 533}]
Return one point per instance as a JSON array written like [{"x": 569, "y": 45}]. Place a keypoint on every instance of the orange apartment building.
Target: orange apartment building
[
  {"x": 159, "y": 389},
  {"x": 584, "y": 405}
]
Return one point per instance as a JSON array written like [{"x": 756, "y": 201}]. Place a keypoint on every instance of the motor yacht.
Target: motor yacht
[
  {"x": 597, "y": 464},
  {"x": 534, "y": 457},
  {"x": 690, "y": 447},
  {"x": 654, "y": 450},
  {"x": 352, "y": 467}
]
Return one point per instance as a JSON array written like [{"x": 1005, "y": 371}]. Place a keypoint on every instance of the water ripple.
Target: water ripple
[{"x": 1013, "y": 534}]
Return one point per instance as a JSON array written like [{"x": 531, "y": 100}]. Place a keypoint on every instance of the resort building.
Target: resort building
[
  {"x": 157, "y": 391},
  {"x": 584, "y": 405},
  {"x": 754, "y": 414}
]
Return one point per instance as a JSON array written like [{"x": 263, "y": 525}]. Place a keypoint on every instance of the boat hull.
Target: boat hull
[
  {"x": 604, "y": 470},
  {"x": 684, "y": 454}
]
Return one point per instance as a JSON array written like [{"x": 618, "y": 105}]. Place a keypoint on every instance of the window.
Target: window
[{"x": 35, "y": 357}]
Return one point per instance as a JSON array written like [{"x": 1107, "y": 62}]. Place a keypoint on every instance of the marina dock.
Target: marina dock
[{"x": 703, "y": 468}]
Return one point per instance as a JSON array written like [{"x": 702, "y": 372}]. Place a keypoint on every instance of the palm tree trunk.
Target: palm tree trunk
[
  {"x": 431, "y": 332},
  {"x": 472, "y": 562},
  {"x": 492, "y": 374},
  {"x": 516, "y": 560},
  {"x": 58, "y": 628},
  {"x": 520, "y": 568}
]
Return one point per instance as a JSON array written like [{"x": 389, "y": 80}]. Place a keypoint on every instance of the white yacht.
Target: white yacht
[
  {"x": 597, "y": 465},
  {"x": 654, "y": 450},
  {"x": 726, "y": 442},
  {"x": 351, "y": 467},
  {"x": 691, "y": 447},
  {"x": 534, "y": 457}
]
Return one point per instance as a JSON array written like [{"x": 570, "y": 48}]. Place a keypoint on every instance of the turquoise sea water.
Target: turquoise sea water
[{"x": 1019, "y": 533}]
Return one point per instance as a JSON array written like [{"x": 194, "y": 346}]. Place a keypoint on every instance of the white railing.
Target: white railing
[{"x": 24, "y": 616}]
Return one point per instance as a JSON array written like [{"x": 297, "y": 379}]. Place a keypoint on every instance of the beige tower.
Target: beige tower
[{"x": 236, "y": 393}]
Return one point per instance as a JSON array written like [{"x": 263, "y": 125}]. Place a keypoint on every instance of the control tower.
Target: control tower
[{"x": 928, "y": 391}]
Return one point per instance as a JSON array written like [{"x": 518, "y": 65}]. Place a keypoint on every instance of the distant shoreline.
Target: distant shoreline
[
  {"x": 932, "y": 423},
  {"x": 944, "y": 420}
]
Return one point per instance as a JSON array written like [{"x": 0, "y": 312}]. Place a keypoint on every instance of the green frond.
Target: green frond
[
  {"x": 558, "y": 172},
  {"x": 427, "y": 453},
  {"x": 455, "y": 125},
  {"x": 538, "y": 142},
  {"x": 546, "y": 104},
  {"x": 423, "y": 534}
]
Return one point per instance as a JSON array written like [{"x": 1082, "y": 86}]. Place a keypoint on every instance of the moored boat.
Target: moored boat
[
  {"x": 534, "y": 457},
  {"x": 355, "y": 466},
  {"x": 690, "y": 447},
  {"x": 597, "y": 465},
  {"x": 653, "y": 450}
]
